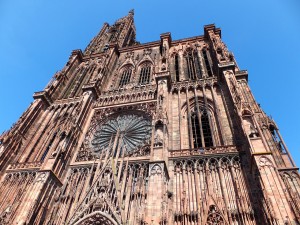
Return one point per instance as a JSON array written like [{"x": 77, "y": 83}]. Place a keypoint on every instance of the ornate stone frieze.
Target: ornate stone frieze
[
  {"x": 127, "y": 95},
  {"x": 193, "y": 84},
  {"x": 204, "y": 151},
  {"x": 25, "y": 165}
]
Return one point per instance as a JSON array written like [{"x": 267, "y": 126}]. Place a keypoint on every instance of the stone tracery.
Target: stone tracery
[{"x": 133, "y": 131}]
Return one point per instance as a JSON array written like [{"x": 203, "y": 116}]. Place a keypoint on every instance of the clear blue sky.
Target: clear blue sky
[{"x": 37, "y": 37}]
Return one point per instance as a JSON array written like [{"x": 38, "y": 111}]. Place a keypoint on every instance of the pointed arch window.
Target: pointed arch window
[
  {"x": 125, "y": 77},
  {"x": 145, "y": 74},
  {"x": 193, "y": 65},
  {"x": 177, "y": 72},
  {"x": 277, "y": 139},
  {"x": 206, "y": 61},
  {"x": 201, "y": 129},
  {"x": 197, "y": 140},
  {"x": 112, "y": 36},
  {"x": 207, "y": 135}
]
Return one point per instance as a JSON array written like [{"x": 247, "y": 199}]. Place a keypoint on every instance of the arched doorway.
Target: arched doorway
[{"x": 97, "y": 218}]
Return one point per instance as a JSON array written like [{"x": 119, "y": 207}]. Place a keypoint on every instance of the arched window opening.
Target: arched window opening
[
  {"x": 48, "y": 147},
  {"x": 277, "y": 139},
  {"x": 200, "y": 123},
  {"x": 145, "y": 74},
  {"x": 177, "y": 68},
  {"x": 196, "y": 130},
  {"x": 206, "y": 129},
  {"x": 113, "y": 35},
  {"x": 159, "y": 134},
  {"x": 193, "y": 65},
  {"x": 125, "y": 77},
  {"x": 207, "y": 64}
]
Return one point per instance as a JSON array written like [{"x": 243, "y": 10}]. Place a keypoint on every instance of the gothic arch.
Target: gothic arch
[
  {"x": 95, "y": 218},
  {"x": 126, "y": 66},
  {"x": 188, "y": 49},
  {"x": 126, "y": 74},
  {"x": 174, "y": 51},
  {"x": 144, "y": 72},
  {"x": 145, "y": 61},
  {"x": 201, "y": 122},
  {"x": 214, "y": 217},
  {"x": 192, "y": 102},
  {"x": 246, "y": 112}
]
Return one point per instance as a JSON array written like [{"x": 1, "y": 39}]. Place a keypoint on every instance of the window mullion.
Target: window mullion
[
  {"x": 201, "y": 129},
  {"x": 191, "y": 68},
  {"x": 194, "y": 68},
  {"x": 129, "y": 76},
  {"x": 145, "y": 75},
  {"x": 212, "y": 131}
]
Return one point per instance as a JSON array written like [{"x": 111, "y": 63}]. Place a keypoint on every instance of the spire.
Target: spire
[
  {"x": 121, "y": 32},
  {"x": 131, "y": 12}
]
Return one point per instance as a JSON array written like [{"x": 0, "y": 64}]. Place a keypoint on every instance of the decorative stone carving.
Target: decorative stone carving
[
  {"x": 156, "y": 169},
  {"x": 159, "y": 135},
  {"x": 214, "y": 217},
  {"x": 97, "y": 218},
  {"x": 253, "y": 132},
  {"x": 132, "y": 131},
  {"x": 264, "y": 161},
  {"x": 42, "y": 177}
]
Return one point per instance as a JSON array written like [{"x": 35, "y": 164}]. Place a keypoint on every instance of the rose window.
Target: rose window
[{"x": 127, "y": 132}]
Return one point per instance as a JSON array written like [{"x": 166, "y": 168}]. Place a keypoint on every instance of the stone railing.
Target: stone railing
[
  {"x": 26, "y": 165},
  {"x": 203, "y": 151},
  {"x": 85, "y": 154},
  {"x": 193, "y": 83},
  {"x": 125, "y": 95}
]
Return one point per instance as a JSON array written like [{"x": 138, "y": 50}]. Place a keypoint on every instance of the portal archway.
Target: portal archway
[{"x": 97, "y": 218}]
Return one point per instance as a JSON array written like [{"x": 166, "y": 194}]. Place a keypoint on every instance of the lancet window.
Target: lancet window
[
  {"x": 145, "y": 74},
  {"x": 112, "y": 36},
  {"x": 193, "y": 65},
  {"x": 196, "y": 130},
  {"x": 207, "y": 64},
  {"x": 177, "y": 72},
  {"x": 201, "y": 129},
  {"x": 125, "y": 77},
  {"x": 277, "y": 139}
]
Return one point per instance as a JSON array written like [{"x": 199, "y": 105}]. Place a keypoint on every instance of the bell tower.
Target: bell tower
[{"x": 122, "y": 33}]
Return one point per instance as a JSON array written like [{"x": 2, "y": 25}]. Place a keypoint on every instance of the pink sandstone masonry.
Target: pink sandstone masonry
[{"x": 166, "y": 132}]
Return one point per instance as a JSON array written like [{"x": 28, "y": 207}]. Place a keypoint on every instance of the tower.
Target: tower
[{"x": 166, "y": 132}]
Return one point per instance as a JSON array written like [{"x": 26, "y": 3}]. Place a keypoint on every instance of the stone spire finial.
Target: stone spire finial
[{"x": 131, "y": 12}]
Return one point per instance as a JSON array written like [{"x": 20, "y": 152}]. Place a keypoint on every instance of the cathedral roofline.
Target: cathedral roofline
[{"x": 157, "y": 43}]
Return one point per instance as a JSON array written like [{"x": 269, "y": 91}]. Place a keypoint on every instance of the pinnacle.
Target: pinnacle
[{"x": 131, "y": 12}]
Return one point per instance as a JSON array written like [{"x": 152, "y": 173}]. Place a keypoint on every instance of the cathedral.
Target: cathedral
[{"x": 161, "y": 133}]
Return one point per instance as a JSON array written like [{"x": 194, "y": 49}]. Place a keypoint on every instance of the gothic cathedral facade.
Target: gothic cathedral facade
[{"x": 166, "y": 132}]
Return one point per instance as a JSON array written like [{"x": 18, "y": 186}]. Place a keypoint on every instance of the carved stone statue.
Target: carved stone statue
[
  {"x": 253, "y": 132},
  {"x": 158, "y": 137}
]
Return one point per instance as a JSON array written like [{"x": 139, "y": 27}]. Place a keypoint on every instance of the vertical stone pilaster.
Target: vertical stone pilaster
[
  {"x": 273, "y": 189},
  {"x": 156, "y": 210},
  {"x": 31, "y": 199}
]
